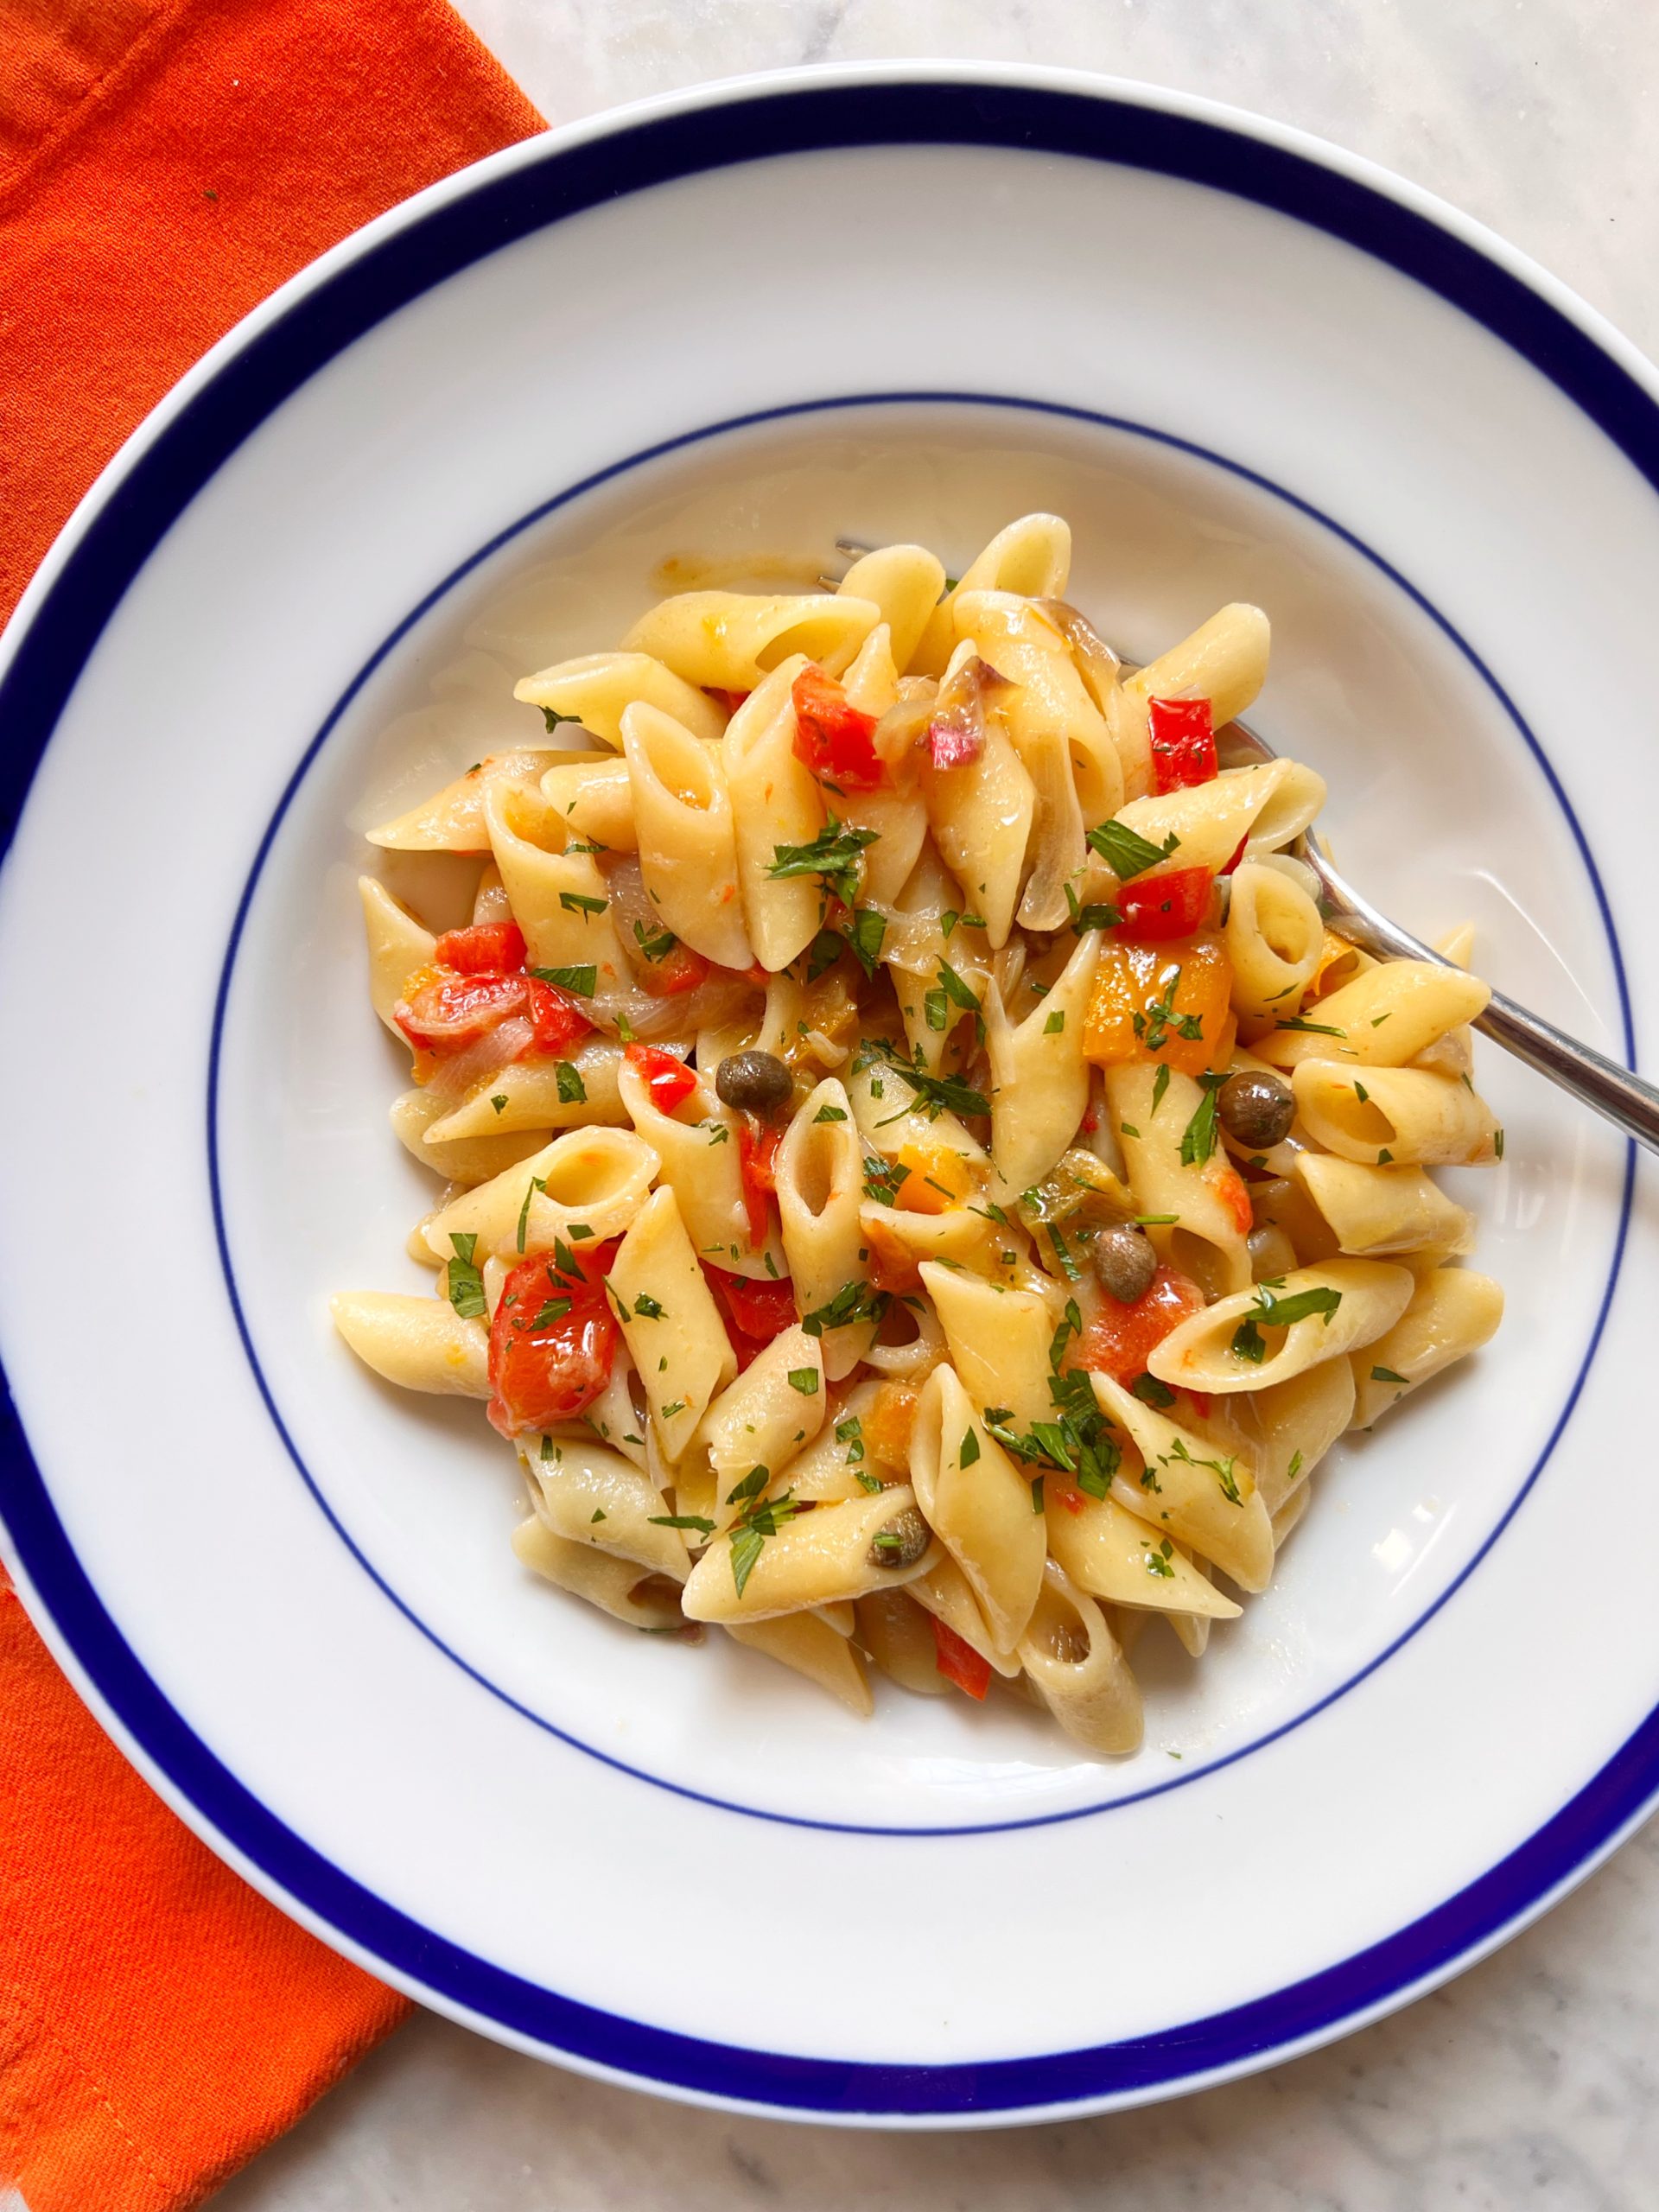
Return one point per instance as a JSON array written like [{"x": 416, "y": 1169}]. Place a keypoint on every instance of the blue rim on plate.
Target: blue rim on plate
[
  {"x": 510, "y": 197},
  {"x": 433, "y": 599}
]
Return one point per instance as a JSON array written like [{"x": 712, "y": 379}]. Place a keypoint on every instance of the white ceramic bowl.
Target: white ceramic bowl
[{"x": 901, "y": 301}]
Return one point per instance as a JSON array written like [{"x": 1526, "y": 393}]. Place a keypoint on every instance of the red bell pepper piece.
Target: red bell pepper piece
[
  {"x": 552, "y": 1340},
  {"x": 757, "y": 1156},
  {"x": 556, "y": 1019},
  {"x": 450, "y": 1012},
  {"x": 675, "y": 974},
  {"x": 1157, "y": 907},
  {"x": 669, "y": 1082},
  {"x": 831, "y": 736},
  {"x": 486, "y": 949},
  {"x": 1238, "y": 854},
  {"x": 1120, "y": 1340},
  {"x": 755, "y": 1312},
  {"x": 958, "y": 1662},
  {"x": 1183, "y": 744}
]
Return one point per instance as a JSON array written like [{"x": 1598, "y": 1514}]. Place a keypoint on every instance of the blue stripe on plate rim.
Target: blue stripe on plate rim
[
  {"x": 844, "y": 403},
  {"x": 169, "y": 462}
]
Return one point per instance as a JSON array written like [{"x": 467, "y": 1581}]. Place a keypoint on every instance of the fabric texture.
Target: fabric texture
[{"x": 163, "y": 165}]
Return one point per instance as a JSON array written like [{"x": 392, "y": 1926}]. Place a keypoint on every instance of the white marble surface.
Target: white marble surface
[{"x": 1534, "y": 2079}]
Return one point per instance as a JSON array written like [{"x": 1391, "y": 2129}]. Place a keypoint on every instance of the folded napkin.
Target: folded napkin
[{"x": 164, "y": 164}]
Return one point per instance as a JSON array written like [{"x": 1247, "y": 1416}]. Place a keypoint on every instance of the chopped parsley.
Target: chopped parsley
[
  {"x": 466, "y": 1283},
  {"x": 934, "y": 1094},
  {"x": 836, "y": 856},
  {"x": 829, "y": 1113},
  {"x": 654, "y": 944},
  {"x": 499, "y": 1100},
  {"x": 864, "y": 937},
  {"x": 1224, "y": 1469},
  {"x": 578, "y": 902},
  {"x": 1158, "y": 1560},
  {"x": 647, "y": 1305},
  {"x": 1084, "y": 919},
  {"x": 1276, "y": 1313},
  {"x": 552, "y": 1310},
  {"x": 1387, "y": 1375},
  {"x": 1311, "y": 1028},
  {"x": 1152, "y": 1392},
  {"x": 580, "y": 982},
  {"x": 573, "y": 1091},
  {"x": 1199, "y": 1138},
  {"x": 854, "y": 1301},
  {"x": 683, "y": 1521},
  {"x": 968, "y": 1450},
  {"x": 1126, "y": 852},
  {"x": 1497, "y": 1144},
  {"x": 1055, "y": 1024},
  {"x": 536, "y": 1183},
  {"x": 552, "y": 717},
  {"x": 805, "y": 1379},
  {"x": 1159, "y": 1085}
]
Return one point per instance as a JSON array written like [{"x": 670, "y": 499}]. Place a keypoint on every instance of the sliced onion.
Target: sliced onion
[
  {"x": 955, "y": 731},
  {"x": 1100, "y": 666}
]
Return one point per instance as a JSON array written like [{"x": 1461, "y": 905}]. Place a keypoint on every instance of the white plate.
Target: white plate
[{"x": 888, "y": 302}]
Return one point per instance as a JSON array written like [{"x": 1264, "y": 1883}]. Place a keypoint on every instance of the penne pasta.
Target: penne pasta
[{"x": 923, "y": 1188}]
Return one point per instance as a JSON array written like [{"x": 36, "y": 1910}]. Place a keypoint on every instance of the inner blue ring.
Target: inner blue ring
[
  {"x": 511, "y": 198},
  {"x": 377, "y": 659}
]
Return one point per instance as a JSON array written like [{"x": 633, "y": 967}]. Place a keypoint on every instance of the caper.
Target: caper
[
  {"x": 1125, "y": 1262},
  {"x": 1256, "y": 1109},
  {"x": 754, "y": 1083},
  {"x": 902, "y": 1541}
]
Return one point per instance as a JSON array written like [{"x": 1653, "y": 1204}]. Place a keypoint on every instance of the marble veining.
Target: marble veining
[{"x": 1532, "y": 2080}]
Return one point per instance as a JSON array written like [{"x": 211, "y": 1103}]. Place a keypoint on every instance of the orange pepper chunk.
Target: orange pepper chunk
[
  {"x": 939, "y": 1177},
  {"x": 887, "y": 1425},
  {"x": 1146, "y": 996}
]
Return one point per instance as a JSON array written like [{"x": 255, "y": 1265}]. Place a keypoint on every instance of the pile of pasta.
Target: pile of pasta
[{"x": 924, "y": 1187}]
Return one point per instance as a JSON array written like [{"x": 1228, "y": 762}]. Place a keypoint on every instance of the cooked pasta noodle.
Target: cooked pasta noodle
[{"x": 924, "y": 1188}]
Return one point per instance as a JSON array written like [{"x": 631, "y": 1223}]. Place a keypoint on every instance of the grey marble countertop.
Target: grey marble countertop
[{"x": 1534, "y": 2078}]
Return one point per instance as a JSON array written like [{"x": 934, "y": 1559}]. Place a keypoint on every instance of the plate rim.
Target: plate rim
[{"x": 1597, "y": 370}]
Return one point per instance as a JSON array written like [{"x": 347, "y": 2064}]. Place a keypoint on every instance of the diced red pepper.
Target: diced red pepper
[
  {"x": 756, "y": 1155},
  {"x": 676, "y": 974},
  {"x": 448, "y": 1013},
  {"x": 754, "y": 1311},
  {"x": 669, "y": 1082},
  {"x": 958, "y": 1662},
  {"x": 556, "y": 1019},
  {"x": 552, "y": 1340},
  {"x": 1183, "y": 744},
  {"x": 1200, "y": 1403},
  {"x": 1238, "y": 854},
  {"x": 1156, "y": 907},
  {"x": 1120, "y": 1340},
  {"x": 831, "y": 736},
  {"x": 486, "y": 949},
  {"x": 730, "y": 700}
]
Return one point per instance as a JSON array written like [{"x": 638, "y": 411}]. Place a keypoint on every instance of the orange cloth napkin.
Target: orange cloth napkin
[{"x": 164, "y": 164}]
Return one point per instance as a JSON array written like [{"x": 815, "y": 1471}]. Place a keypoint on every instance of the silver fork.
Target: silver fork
[{"x": 1620, "y": 1097}]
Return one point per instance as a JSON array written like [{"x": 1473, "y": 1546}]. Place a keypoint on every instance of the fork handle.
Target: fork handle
[
  {"x": 1620, "y": 1097},
  {"x": 1617, "y": 1096}
]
